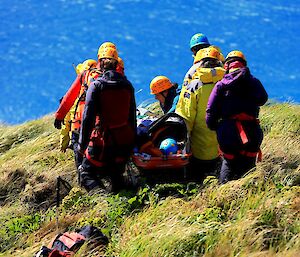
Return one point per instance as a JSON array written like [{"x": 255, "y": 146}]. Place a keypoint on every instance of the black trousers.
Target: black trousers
[
  {"x": 108, "y": 177},
  {"x": 199, "y": 169},
  {"x": 235, "y": 168}
]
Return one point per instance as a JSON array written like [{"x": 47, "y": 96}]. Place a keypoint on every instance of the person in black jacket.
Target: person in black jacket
[{"x": 108, "y": 126}]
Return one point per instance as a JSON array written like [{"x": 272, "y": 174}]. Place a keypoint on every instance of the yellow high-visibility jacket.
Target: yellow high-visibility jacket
[{"x": 192, "y": 107}]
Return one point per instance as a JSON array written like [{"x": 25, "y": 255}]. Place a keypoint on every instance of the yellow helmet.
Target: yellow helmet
[
  {"x": 236, "y": 54},
  {"x": 104, "y": 45},
  {"x": 107, "y": 44},
  {"x": 89, "y": 63},
  {"x": 159, "y": 84},
  {"x": 208, "y": 52},
  {"x": 85, "y": 65},
  {"x": 79, "y": 68},
  {"x": 120, "y": 62},
  {"x": 108, "y": 52}
]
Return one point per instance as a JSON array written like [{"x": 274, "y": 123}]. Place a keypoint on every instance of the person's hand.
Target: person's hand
[{"x": 57, "y": 123}]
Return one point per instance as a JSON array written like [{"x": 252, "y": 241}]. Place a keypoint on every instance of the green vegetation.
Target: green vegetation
[{"x": 258, "y": 215}]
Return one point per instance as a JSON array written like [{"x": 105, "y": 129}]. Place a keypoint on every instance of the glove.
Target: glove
[{"x": 57, "y": 123}]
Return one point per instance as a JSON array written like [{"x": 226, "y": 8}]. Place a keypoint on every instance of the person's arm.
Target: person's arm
[
  {"x": 259, "y": 93},
  {"x": 132, "y": 117},
  {"x": 212, "y": 110},
  {"x": 68, "y": 99},
  {"x": 89, "y": 117}
]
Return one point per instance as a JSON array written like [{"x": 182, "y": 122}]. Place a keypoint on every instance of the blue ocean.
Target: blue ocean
[{"x": 41, "y": 40}]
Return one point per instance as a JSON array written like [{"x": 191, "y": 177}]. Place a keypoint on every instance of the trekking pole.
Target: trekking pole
[
  {"x": 74, "y": 67},
  {"x": 57, "y": 201}
]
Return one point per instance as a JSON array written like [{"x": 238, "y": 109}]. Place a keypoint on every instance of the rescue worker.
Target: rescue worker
[
  {"x": 165, "y": 92},
  {"x": 192, "y": 105},
  {"x": 77, "y": 92},
  {"x": 108, "y": 127},
  {"x": 66, "y": 130},
  {"x": 198, "y": 41},
  {"x": 232, "y": 110}
]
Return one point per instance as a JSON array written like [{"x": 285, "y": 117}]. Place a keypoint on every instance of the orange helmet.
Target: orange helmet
[
  {"x": 235, "y": 54},
  {"x": 104, "y": 45},
  {"x": 159, "y": 84},
  {"x": 108, "y": 52},
  {"x": 208, "y": 52}
]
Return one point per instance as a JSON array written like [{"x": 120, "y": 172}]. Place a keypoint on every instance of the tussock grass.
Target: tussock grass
[{"x": 257, "y": 215}]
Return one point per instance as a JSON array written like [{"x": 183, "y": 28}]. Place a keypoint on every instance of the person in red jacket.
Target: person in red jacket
[
  {"x": 108, "y": 127},
  {"x": 77, "y": 92}
]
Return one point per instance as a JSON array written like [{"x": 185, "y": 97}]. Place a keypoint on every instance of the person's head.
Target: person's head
[
  {"x": 89, "y": 63},
  {"x": 234, "y": 60},
  {"x": 120, "y": 66},
  {"x": 197, "y": 42},
  {"x": 209, "y": 57},
  {"x": 108, "y": 58},
  {"x": 159, "y": 87}
]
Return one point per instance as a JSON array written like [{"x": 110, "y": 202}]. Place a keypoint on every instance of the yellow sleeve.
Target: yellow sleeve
[{"x": 187, "y": 104}]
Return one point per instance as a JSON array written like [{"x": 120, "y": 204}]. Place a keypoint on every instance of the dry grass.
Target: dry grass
[{"x": 257, "y": 216}]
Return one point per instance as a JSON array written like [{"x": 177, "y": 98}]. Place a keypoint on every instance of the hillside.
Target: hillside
[{"x": 258, "y": 215}]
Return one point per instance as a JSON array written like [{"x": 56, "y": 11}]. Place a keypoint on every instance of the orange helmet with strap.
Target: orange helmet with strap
[
  {"x": 159, "y": 84},
  {"x": 235, "y": 54},
  {"x": 208, "y": 52}
]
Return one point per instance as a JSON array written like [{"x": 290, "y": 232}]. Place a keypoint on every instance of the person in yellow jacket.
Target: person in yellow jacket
[{"x": 192, "y": 107}]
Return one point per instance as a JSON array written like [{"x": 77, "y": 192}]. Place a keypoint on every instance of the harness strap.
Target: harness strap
[
  {"x": 229, "y": 156},
  {"x": 102, "y": 164},
  {"x": 243, "y": 117},
  {"x": 242, "y": 132},
  {"x": 257, "y": 154},
  {"x": 93, "y": 161}
]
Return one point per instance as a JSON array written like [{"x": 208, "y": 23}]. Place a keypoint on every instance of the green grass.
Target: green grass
[{"x": 257, "y": 215}]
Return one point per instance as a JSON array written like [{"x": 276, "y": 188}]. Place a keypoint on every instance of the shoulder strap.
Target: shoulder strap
[{"x": 85, "y": 81}]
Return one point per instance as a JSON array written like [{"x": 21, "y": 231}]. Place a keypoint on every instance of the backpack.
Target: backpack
[
  {"x": 68, "y": 243},
  {"x": 87, "y": 77}
]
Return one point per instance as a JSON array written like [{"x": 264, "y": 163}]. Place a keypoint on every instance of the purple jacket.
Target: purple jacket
[{"x": 238, "y": 92}]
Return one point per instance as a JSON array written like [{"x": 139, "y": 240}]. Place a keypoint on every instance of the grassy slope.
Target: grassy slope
[{"x": 258, "y": 215}]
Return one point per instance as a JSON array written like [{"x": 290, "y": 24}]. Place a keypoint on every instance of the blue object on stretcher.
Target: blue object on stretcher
[{"x": 168, "y": 146}]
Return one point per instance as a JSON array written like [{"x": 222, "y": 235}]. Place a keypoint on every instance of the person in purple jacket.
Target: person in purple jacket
[{"x": 232, "y": 110}]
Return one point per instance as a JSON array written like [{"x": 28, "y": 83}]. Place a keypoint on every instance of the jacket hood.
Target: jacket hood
[
  {"x": 237, "y": 76},
  {"x": 209, "y": 75}
]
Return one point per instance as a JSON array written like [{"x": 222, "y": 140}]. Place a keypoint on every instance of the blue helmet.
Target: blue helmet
[
  {"x": 168, "y": 146},
  {"x": 198, "y": 39}
]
